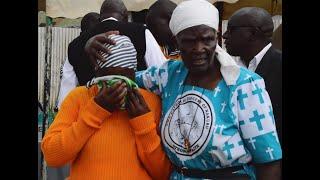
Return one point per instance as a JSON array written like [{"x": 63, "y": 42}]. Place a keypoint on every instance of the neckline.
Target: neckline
[
  {"x": 205, "y": 89},
  {"x": 185, "y": 74}
]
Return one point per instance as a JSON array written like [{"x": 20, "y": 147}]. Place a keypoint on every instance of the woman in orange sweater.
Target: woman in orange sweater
[{"x": 101, "y": 140}]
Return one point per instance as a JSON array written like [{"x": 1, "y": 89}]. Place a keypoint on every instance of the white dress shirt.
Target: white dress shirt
[
  {"x": 253, "y": 64},
  {"x": 153, "y": 57},
  {"x": 257, "y": 59},
  {"x": 68, "y": 81}
]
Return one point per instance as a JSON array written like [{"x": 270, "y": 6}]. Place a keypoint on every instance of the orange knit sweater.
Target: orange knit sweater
[{"x": 104, "y": 145}]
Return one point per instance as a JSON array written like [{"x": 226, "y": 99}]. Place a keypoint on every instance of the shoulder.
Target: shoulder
[
  {"x": 77, "y": 97},
  {"x": 247, "y": 76},
  {"x": 133, "y": 26},
  {"x": 173, "y": 65},
  {"x": 75, "y": 47},
  {"x": 167, "y": 66},
  {"x": 137, "y": 25},
  {"x": 80, "y": 92},
  {"x": 275, "y": 56},
  {"x": 276, "y": 52},
  {"x": 74, "y": 42}
]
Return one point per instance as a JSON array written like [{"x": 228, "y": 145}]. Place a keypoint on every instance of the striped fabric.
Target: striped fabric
[{"x": 123, "y": 53}]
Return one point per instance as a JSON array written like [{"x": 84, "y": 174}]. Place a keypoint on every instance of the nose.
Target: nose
[{"x": 199, "y": 47}]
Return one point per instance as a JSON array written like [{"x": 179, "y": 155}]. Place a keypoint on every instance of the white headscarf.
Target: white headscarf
[
  {"x": 192, "y": 13},
  {"x": 200, "y": 12}
]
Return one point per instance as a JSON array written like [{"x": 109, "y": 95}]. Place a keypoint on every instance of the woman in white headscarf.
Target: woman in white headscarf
[{"x": 217, "y": 120}]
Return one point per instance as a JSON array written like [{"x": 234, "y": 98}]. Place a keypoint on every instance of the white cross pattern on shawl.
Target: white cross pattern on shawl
[{"x": 250, "y": 128}]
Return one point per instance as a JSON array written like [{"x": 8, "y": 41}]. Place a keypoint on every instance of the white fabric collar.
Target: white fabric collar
[
  {"x": 229, "y": 69},
  {"x": 257, "y": 59},
  {"x": 110, "y": 18}
]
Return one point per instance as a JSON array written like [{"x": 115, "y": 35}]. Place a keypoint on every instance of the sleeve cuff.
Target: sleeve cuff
[{"x": 94, "y": 115}]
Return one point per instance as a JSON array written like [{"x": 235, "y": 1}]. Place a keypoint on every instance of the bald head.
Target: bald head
[
  {"x": 89, "y": 20},
  {"x": 114, "y": 8},
  {"x": 161, "y": 7},
  {"x": 158, "y": 18},
  {"x": 249, "y": 30},
  {"x": 255, "y": 17}
]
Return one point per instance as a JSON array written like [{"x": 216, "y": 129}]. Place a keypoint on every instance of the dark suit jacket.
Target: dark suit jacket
[
  {"x": 79, "y": 59},
  {"x": 270, "y": 69}
]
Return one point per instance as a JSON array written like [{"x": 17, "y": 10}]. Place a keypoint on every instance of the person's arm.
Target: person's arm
[
  {"x": 95, "y": 45},
  {"x": 68, "y": 81},
  {"x": 257, "y": 127},
  {"x": 145, "y": 122},
  {"x": 154, "y": 78},
  {"x": 74, "y": 125},
  {"x": 153, "y": 56},
  {"x": 71, "y": 129},
  {"x": 150, "y": 79}
]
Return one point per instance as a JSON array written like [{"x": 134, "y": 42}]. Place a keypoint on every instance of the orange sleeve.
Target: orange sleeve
[
  {"x": 71, "y": 128},
  {"x": 148, "y": 142}
]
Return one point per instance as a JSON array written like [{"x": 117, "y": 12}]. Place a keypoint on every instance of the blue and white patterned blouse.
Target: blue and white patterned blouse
[{"x": 228, "y": 126}]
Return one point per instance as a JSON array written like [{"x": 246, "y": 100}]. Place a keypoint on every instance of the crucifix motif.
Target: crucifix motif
[
  {"x": 223, "y": 106},
  {"x": 227, "y": 147},
  {"x": 241, "y": 98},
  {"x": 257, "y": 118},
  {"x": 216, "y": 91},
  {"x": 269, "y": 150},
  {"x": 252, "y": 141},
  {"x": 258, "y": 91},
  {"x": 221, "y": 128},
  {"x": 247, "y": 77}
]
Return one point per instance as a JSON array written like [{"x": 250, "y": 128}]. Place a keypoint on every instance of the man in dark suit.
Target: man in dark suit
[
  {"x": 249, "y": 35},
  {"x": 79, "y": 68}
]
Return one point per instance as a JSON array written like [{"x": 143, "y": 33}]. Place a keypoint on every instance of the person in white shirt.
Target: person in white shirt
[
  {"x": 68, "y": 77},
  {"x": 112, "y": 13},
  {"x": 249, "y": 35}
]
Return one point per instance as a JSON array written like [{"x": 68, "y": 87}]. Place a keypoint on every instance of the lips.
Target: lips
[{"x": 198, "y": 62}]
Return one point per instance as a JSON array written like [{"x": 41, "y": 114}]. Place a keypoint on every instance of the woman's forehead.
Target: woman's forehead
[{"x": 200, "y": 29}]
